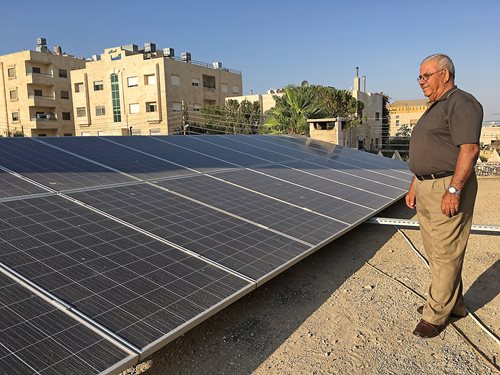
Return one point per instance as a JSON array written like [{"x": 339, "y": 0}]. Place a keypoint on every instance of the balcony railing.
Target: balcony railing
[
  {"x": 32, "y": 96},
  {"x": 51, "y": 74},
  {"x": 44, "y": 117}
]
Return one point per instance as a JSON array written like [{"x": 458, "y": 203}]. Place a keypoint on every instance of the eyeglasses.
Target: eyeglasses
[{"x": 426, "y": 76}]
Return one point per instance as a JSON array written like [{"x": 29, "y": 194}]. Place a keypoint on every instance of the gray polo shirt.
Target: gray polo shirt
[{"x": 452, "y": 120}]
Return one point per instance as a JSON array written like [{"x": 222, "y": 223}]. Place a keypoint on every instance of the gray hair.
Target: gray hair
[{"x": 444, "y": 62}]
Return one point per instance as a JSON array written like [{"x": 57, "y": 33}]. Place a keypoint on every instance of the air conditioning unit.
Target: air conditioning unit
[
  {"x": 149, "y": 47},
  {"x": 217, "y": 65},
  {"x": 168, "y": 52},
  {"x": 186, "y": 56}
]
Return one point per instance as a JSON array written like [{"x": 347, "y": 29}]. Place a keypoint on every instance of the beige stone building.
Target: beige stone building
[
  {"x": 266, "y": 101},
  {"x": 35, "y": 92},
  {"x": 369, "y": 134},
  {"x": 490, "y": 134},
  {"x": 405, "y": 112},
  {"x": 145, "y": 91},
  {"x": 331, "y": 130}
]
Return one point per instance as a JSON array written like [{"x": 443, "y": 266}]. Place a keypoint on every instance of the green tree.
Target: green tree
[
  {"x": 300, "y": 103},
  {"x": 232, "y": 118},
  {"x": 292, "y": 110},
  {"x": 404, "y": 131}
]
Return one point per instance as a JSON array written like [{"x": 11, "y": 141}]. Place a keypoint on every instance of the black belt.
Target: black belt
[{"x": 433, "y": 176}]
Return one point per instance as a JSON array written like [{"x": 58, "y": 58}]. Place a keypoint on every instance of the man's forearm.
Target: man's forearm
[{"x": 465, "y": 164}]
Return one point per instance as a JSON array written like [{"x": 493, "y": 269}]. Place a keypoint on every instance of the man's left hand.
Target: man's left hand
[{"x": 450, "y": 204}]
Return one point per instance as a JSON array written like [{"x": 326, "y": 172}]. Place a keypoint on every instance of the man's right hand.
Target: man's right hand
[{"x": 410, "y": 196}]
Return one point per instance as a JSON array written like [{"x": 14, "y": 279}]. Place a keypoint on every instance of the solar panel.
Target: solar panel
[
  {"x": 126, "y": 160},
  {"x": 148, "y": 236},
  {"x": 53, "y": 168},
  {"x": 239, "y": 245},
  {"x": 132, "y": 284},
  {"x": 291, "y": 220},
  {"x": 13, "y": 186},
  {"x": 36, "y": 337}
]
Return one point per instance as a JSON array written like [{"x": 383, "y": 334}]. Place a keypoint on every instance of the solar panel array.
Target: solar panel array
[{"x": 111, "y": 247}]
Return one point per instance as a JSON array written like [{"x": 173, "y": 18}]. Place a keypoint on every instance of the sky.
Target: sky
[{"x": 279, "y": 42}]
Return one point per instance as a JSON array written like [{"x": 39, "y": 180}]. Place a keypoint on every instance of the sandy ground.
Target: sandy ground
[{"x": 333, "y": 313}]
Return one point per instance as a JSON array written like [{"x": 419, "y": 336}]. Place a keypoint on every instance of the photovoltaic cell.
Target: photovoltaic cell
[
  {"x": 35, "y": 337},
  {"x": 53, "y": 168},
  {"x": 327, "y": 205},
  {"x": 171, "y": 149},
  {"x": 121, "y": 158},
  {"x": 234, "y": 243},
  {"x": 12, "y": 186},
  {"x": 283, "y": 217},
  {"x": 135, "y": 286}
]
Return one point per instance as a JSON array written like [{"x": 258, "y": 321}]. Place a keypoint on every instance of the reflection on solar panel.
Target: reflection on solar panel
[{"x": 138, "y": 239}]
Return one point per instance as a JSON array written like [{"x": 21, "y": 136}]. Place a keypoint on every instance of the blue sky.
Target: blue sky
[{"x": 275, "y": 43}]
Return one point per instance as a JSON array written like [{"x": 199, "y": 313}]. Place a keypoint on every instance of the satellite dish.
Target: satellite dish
[{"x": 304, "y": 83}]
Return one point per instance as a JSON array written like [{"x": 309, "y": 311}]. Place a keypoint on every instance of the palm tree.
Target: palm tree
[{"x": 292, "y": 110}]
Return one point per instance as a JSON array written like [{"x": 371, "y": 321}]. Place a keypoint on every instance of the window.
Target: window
[
  {"x": 98, "y": 86},
  {"x": 151, "y": 107},
  {"x": 11, "y": 72},
  {"x": 100, "y": 110},
  {"x": 132, "y": 81},
  {"x": 208, "y": 81},
  {"x": 15, "y": 116},
  {"x": 64, "y": 94},
  {"x": 155, "y": 131},
  {"x": 35, "y": 69},
  {"x": 68, "y": 134},
  {"x": 115, "y": 96},
  {"x": 63, "y": 73},
  {"x": 377, "y": 116},
  {"x": 13, "y": 94},
  {"x": 38, "y": 92},
  {"x": 66, "y": 116},
  {"x": 397, "y": 122},
  {"x": 134, "y": 108},
  {"x": 80, "y": 112},
  {"x": 195, "y": 82},
  {"x": 175, "y": 80},
  {"x": 223, "y": 87},
  {"x": 79, "y": 87},
  {"x": 176, "y": 107},
  {"x": 236, "y": 89},
  {"x": 150, "y": 79}
]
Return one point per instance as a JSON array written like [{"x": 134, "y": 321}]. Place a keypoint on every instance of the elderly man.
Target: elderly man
[{"x": 444, "y": 147}]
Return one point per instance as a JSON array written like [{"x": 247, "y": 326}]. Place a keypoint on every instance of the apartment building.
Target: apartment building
[
  {"x": 35, "y": 92},
  {"x": 145, "y": 91},
  {"x": 405, "y": 112}
]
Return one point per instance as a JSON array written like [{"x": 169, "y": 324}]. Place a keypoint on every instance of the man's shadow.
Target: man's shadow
[{"x": 484, "y": 289}]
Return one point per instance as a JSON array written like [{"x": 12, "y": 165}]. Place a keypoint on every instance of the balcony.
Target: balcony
[
  {"x": 44, "y": 79},
  {"x": 41, "y": 101},
  {"x": 45, "y": 121}
]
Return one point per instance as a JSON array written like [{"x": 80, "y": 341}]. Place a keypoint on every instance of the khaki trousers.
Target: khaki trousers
[{"x": 445, "y": 240}]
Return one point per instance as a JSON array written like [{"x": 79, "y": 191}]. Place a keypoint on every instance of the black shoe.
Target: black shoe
[{"x": 420, "y": 310}]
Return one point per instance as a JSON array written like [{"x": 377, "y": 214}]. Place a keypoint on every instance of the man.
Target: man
[{"x": 444, "y": 147}]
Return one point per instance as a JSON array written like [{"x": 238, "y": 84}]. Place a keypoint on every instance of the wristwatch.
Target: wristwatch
[{"x": 453, "y": 190}]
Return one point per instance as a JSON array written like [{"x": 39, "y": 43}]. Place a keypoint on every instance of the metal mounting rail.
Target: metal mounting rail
[{"x": 410, "y": 223}]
